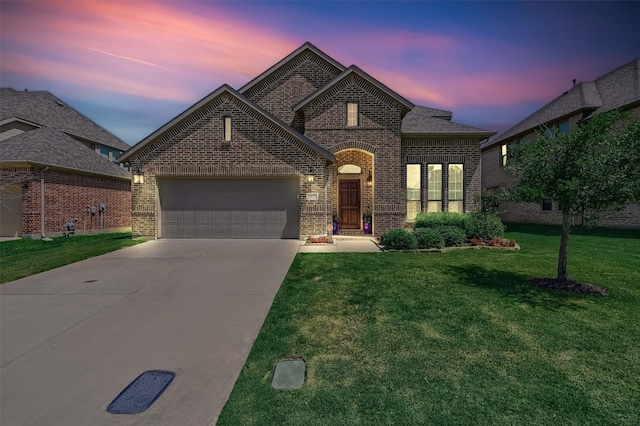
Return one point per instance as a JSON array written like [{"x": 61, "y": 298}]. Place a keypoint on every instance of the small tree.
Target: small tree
[{"x": 592, "y": 169}]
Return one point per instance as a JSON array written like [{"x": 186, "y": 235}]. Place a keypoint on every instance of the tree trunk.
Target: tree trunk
[{"x": 564, "y": 243}]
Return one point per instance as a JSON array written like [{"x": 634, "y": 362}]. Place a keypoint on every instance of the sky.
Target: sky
[{"x": 133, "y": 65}]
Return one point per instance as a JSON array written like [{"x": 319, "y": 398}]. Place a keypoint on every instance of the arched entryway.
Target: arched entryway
[{"x": 353, "y": 190}]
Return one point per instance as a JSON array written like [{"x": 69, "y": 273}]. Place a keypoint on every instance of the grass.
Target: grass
[
  {"x": 453, "y": 338},
  {"x": 21, "y": 258}
]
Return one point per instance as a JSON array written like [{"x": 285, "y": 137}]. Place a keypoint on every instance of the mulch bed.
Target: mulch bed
[{"x": 568, "y": 286}]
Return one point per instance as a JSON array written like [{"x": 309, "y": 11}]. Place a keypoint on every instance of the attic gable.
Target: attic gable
[
  {"x": 355, "y": 74},
  {"x": 181, "y": 125}
]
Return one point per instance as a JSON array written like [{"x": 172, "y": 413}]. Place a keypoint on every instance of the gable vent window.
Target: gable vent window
[
  {"x": 352, "y": 114},
  {"x": 227, "y": 129}
]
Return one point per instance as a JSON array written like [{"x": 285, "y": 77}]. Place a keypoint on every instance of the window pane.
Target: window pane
[
  {"x": 413, "y": 208},
  {"x": 434, "y": 206},
  {"x": 413, "y": 191},
  {"x": 456, "y": 185},
  {"x": 434, "y": 180},
  {"x": 227, "y": 129},
  {"x": 455, "y": 206},
  {"x": 352, "y": 114}
]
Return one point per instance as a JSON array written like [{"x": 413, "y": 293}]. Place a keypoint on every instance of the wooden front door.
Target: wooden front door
[{"x": 349, "y": 204}]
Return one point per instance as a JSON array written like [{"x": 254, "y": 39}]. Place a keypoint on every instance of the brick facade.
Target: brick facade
[
  {"x": 193, "y": 146},
  {"x": 67, "y": 196}
]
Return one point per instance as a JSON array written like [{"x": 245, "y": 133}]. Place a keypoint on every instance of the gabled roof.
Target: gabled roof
[
  {"x": 421, "y": 121},
  {"x": 51, "y": 147},
  {"x": 305, "y": 47},
  {"x": 206, "y": 101},
  {"x": 616, "y": 89},
  {"x": 46, "y": 110},
  {"x": 354, "y": 70}
]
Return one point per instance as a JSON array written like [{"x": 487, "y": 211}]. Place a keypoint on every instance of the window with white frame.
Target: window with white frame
[
  {"x": 227, "y": 129},
  {"x": 352, "y": 114},
  {"x": 456, "y": 188},
  {"x": 434, "y": 188},
  {"x": 413, "y": 190}
]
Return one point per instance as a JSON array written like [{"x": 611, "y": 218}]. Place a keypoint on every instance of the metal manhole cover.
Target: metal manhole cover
[{"x": 141, "y": 393}]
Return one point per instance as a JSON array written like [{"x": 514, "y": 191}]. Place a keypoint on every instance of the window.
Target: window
[
  {"x": 456, "y": 188},
  {"x": 413, "y": 191},
  {"x": 227, "y": 129},
  {"x": 352, "y": 114},
  {"x": 503, "y": 155},
  {"x": 547, "y": 203},
  {"x": 564, "y": 127},
  {"x": 434, "y": 188}
]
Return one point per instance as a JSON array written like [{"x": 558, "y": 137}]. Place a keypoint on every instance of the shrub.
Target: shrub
[
  {"x": 452, "y": 235},
  {"x": 399, "y": 239},
  {"x": 434, "y": 220},
  {"x": 484, "y": 226},
  {"x": 429, "y": 238}
]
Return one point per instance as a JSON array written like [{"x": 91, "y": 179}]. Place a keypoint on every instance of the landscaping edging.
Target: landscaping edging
[{"x": 447, "y": 249}]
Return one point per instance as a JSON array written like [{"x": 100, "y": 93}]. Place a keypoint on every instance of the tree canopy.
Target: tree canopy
[{"x": 590, "y": 170}]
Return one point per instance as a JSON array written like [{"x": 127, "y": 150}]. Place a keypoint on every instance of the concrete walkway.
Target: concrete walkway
[{"x": 342, "y": 244}]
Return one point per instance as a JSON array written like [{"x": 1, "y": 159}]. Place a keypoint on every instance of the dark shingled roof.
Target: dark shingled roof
[
  {"x": 428, "y": 121},
  {"x": 616, "y": 89},
  {"x": 44, "y": 109},
  {"x": 51, "y": 147}
]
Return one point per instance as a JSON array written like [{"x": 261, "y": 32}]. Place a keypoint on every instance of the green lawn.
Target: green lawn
[
  {"x": 21, "y": 258},
  {"x": 453, "y": 338}
]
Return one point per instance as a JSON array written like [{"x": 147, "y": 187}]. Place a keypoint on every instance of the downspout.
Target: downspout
[{"x": 42, "y": 201}]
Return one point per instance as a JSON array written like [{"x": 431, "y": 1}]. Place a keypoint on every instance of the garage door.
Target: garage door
[{"x": 229, "y": 208}]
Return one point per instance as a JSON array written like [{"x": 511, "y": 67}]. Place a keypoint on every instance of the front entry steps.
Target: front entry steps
[{"x": 351, "y": 233}]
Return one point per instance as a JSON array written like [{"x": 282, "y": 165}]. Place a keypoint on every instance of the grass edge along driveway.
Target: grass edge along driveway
[
  {"x": 453, "y": 338},
  {"x": 25, "y": 257}
]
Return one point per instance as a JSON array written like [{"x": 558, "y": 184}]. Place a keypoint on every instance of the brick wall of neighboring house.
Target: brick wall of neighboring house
[
  {"x": 426, "y": 151},
  {"x": 67, "y": 196},
  {"x": 290, "y": 84},
  {"x": 494, "y": 177},
  {"x": 257, "y": 149},
  {"x": 378, "y": 133}
]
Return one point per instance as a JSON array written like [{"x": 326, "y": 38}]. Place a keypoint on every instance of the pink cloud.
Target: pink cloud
[{"x": 160, "y": 45}]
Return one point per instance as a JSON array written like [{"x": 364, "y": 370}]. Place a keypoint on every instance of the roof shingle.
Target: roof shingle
[
  {"x": 49, "y": 146},
  {"x": 44, "y": 109}
]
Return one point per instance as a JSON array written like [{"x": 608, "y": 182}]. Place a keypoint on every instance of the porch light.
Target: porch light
[
  {"x": 370, "y": 180},
  {"x": 138, "y": 176},
  {"x": 310, "y": 177}
]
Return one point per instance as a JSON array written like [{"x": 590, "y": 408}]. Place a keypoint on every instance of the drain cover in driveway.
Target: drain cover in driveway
[{"x": 141, "y": 393}]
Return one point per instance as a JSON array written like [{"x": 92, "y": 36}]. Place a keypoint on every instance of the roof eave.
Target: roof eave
[
  {"x": 473, "y": 134},
  {"x": 42, "y": 165}
]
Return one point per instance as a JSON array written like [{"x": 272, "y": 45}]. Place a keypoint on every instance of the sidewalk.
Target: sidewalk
[{"x": 342, "y": 244}]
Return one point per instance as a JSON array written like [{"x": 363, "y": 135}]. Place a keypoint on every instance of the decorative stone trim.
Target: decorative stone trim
[{"x": 238, "y": 170}]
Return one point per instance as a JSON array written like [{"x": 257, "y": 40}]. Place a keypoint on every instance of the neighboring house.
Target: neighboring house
[
  {"x": 55, "y": 164},
  {"x": 619, "y": 88},
  {"x": 305, "y": 139}
]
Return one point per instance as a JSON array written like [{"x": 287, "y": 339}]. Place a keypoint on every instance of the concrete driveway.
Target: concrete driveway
[{"x": 73, "y": 338}]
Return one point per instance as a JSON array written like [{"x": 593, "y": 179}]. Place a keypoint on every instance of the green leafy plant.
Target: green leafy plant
[
  {"x": 484, "y": 226},
  {"x": 429, "y": 238},
  {"x": 433, "y": 220},
  {"x": 367, "y": 216},
  {"x": 453, "y": 236},
  {"x": 399, "y": 239},
  {"x": 336, "y": 217}
]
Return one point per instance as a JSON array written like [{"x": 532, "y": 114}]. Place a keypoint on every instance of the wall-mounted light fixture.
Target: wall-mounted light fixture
[
  {"x": 138, "y": 176},
  {"x": 370, "y": 180},
  {"x": 310, "y": 177}
]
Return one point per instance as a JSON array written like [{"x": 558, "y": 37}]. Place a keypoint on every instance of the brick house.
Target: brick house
[
  {"x": 55, "y": 163},
  {"x": 619, "y": 88},
  {"x": 306, "y": 139}
]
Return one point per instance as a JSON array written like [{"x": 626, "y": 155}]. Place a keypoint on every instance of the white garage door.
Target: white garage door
[{"x": 229, "y": 208}]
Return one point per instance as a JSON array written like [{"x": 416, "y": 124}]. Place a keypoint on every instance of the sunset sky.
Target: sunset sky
[{"x": 133, "y": 65}]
